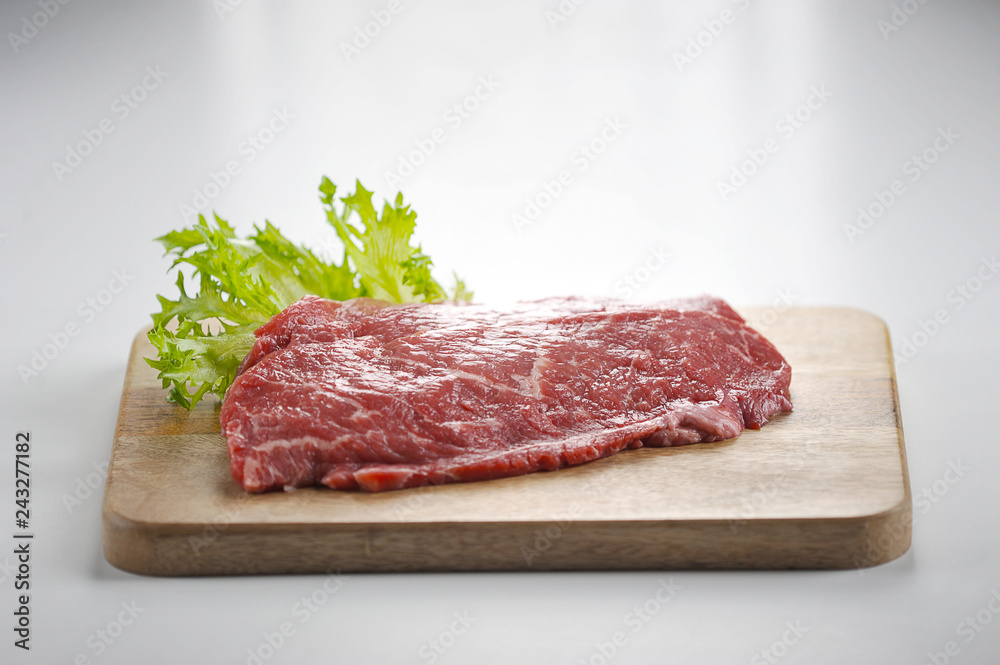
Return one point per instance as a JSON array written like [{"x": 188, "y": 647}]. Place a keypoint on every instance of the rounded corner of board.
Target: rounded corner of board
[
  {"x": 126, "y": 543},
  {"x": 887, "y": 536},
  {"x": 867, "y": 314}
]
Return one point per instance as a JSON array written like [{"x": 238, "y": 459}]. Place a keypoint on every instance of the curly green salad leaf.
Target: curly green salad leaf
[{"x": 201, "y": 339}]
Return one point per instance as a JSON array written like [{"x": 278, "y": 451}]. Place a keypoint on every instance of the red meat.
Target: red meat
[{"x": 363, "y": 394}]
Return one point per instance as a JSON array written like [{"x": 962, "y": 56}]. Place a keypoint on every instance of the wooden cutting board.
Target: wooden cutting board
[{"x": 825, "y": 486}]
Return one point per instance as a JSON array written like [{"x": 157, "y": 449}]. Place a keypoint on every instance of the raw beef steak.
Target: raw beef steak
[{"x": 363, "y": 394}]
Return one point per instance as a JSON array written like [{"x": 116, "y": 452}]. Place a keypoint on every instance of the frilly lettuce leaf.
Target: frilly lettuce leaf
[{"x": 201, "y": 339}]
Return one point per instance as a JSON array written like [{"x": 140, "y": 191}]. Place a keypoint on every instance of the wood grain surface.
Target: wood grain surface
[{"x": 825, "y": 486}]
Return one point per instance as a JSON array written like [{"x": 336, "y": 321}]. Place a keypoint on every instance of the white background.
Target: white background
[{"x": 686, "y": 125}]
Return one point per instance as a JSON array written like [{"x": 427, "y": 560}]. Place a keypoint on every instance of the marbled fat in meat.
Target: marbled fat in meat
[{"x": 367, "y": 395}]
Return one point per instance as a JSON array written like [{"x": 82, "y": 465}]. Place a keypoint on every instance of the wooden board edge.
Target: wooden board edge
[
  {"x": 894, "y": 388},
  {"x": 158, "y": 549},
  {"x": 134, "y": 358}
]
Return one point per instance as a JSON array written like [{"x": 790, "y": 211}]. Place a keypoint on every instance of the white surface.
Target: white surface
[{"x": 654, "y": 187}]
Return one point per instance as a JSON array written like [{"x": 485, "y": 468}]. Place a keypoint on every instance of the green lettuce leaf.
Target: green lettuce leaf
[{"x": 201, "y": 339}]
